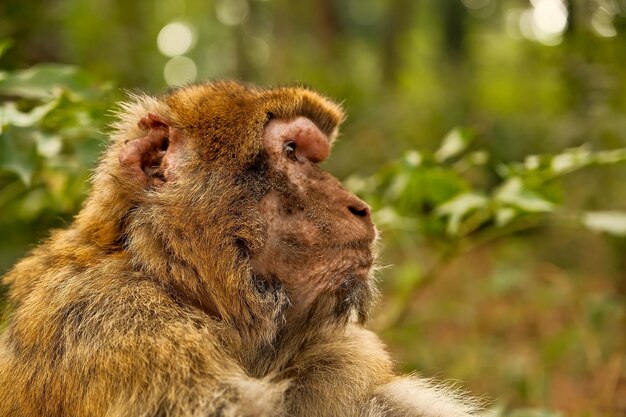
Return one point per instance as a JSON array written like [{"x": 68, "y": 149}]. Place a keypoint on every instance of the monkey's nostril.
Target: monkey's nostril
[{"x": 362, "y": 211}]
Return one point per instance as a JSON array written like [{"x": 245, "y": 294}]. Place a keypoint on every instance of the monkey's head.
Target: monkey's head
[{"x": 215, "y": 191}]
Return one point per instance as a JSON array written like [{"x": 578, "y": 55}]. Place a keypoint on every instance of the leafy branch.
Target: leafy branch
[
  {"x": 50, "y": 116},
  {"x": 428, "y": 195}
]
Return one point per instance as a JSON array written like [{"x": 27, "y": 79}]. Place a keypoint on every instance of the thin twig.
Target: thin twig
[{"x": 463, "y": 246}]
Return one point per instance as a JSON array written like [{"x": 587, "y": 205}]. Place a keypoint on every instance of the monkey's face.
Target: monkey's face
[
  {"x": 319, "y": 236},
  {"x": 226, "y": 199}
]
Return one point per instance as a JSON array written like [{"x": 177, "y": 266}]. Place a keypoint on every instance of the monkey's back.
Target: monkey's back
[{"x": 81, "y": 328}]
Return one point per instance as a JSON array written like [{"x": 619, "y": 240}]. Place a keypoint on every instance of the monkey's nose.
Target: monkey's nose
[
  {"x": 357, "y": 212},
  {"x": 360, "y": 210}
]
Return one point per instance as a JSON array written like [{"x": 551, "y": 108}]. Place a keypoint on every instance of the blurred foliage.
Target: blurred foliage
[
  {"x": 431, "y": 196},
  {"x": 50, "y": 116},
  {"x": 506, "y": 237}
]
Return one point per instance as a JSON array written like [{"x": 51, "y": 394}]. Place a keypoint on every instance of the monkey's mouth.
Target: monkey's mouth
[
  {"x": 359, "y": 244},
  {"x": 359, "y": 262},
  {"x": 362, "y": 269},
  {"x": 362, "y": 254}
]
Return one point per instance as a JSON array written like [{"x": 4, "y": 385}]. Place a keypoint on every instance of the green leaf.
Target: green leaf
[
  {"x": 504, "y": 216},
  {"x": 43, "y": 81},
  {"x": 478, "y": 158},
  {"x": 611, "y": 222},
  {"x": 388, "y": 217},
  {"x": 442, "y": 184},
  {"x": 35, "y": 201},
  {"x": 48, "y": 145},
  {"x": 9, "y": 114},
  {"x": 358, "y": 184},
  {"x": 399, "y": 185},
  {"x": 532, "y": 162},
  {"x": 471, "y": 160},
  {"x": 459, "y": 207},
  {"x": 18, "y": 155},
  {"x": 413, "y": 158},
  {"x": 454, "y": 143},
  {"x": 571, "y": 160},
  {"x": 610, "y": 157},
  {"x": 513, "y": 193}
]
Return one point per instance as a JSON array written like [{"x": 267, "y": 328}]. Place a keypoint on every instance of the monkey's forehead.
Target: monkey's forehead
[{"x": 243, "y": 109}]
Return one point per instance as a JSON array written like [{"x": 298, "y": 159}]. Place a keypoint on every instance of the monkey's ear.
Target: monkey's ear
[{"x": 148, "y": 159}]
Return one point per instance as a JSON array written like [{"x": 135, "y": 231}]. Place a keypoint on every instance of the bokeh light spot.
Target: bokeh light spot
[
  {"x": 550, "y": 17},
  {"x": 602, "y": 24},
  {"x": 176, "y": 38},
  {"x": 259, "y": 51},
  {"x": 545, "y": 22},
  {"x": 232, "y": 12},
  {"x": 180, "y": 70},
  {"x": 475, "y": 4}
]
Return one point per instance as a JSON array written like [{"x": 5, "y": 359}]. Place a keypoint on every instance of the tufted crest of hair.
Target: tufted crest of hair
[{"x": 229, "y": 113}]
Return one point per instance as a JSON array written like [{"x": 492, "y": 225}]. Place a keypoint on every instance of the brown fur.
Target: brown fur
[{"x": 183, "y": 287}]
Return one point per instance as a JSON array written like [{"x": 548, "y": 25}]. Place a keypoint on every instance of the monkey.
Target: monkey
[{"x": 215, "y": 269}]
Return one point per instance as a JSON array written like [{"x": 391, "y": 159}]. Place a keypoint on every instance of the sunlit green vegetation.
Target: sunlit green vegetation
[{"x": 488, "y": 135}]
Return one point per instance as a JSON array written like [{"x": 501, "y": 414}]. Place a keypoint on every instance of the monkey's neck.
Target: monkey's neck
[{"x": 294, "y": 338}]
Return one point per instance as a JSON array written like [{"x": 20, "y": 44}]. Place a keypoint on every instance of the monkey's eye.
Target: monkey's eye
[{"x": 290, "y": 150}]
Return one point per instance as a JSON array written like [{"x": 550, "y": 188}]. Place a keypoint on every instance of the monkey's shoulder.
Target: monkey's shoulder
[{"x": 59, "y": 299}]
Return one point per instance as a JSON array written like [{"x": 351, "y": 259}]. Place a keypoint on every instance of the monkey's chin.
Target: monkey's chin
[
  {"x": 356, "y": 294},
  {"x": 351, "y": 299}
]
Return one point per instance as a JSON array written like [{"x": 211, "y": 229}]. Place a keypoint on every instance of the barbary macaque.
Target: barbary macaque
[{"x": 214, "y": 270}]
